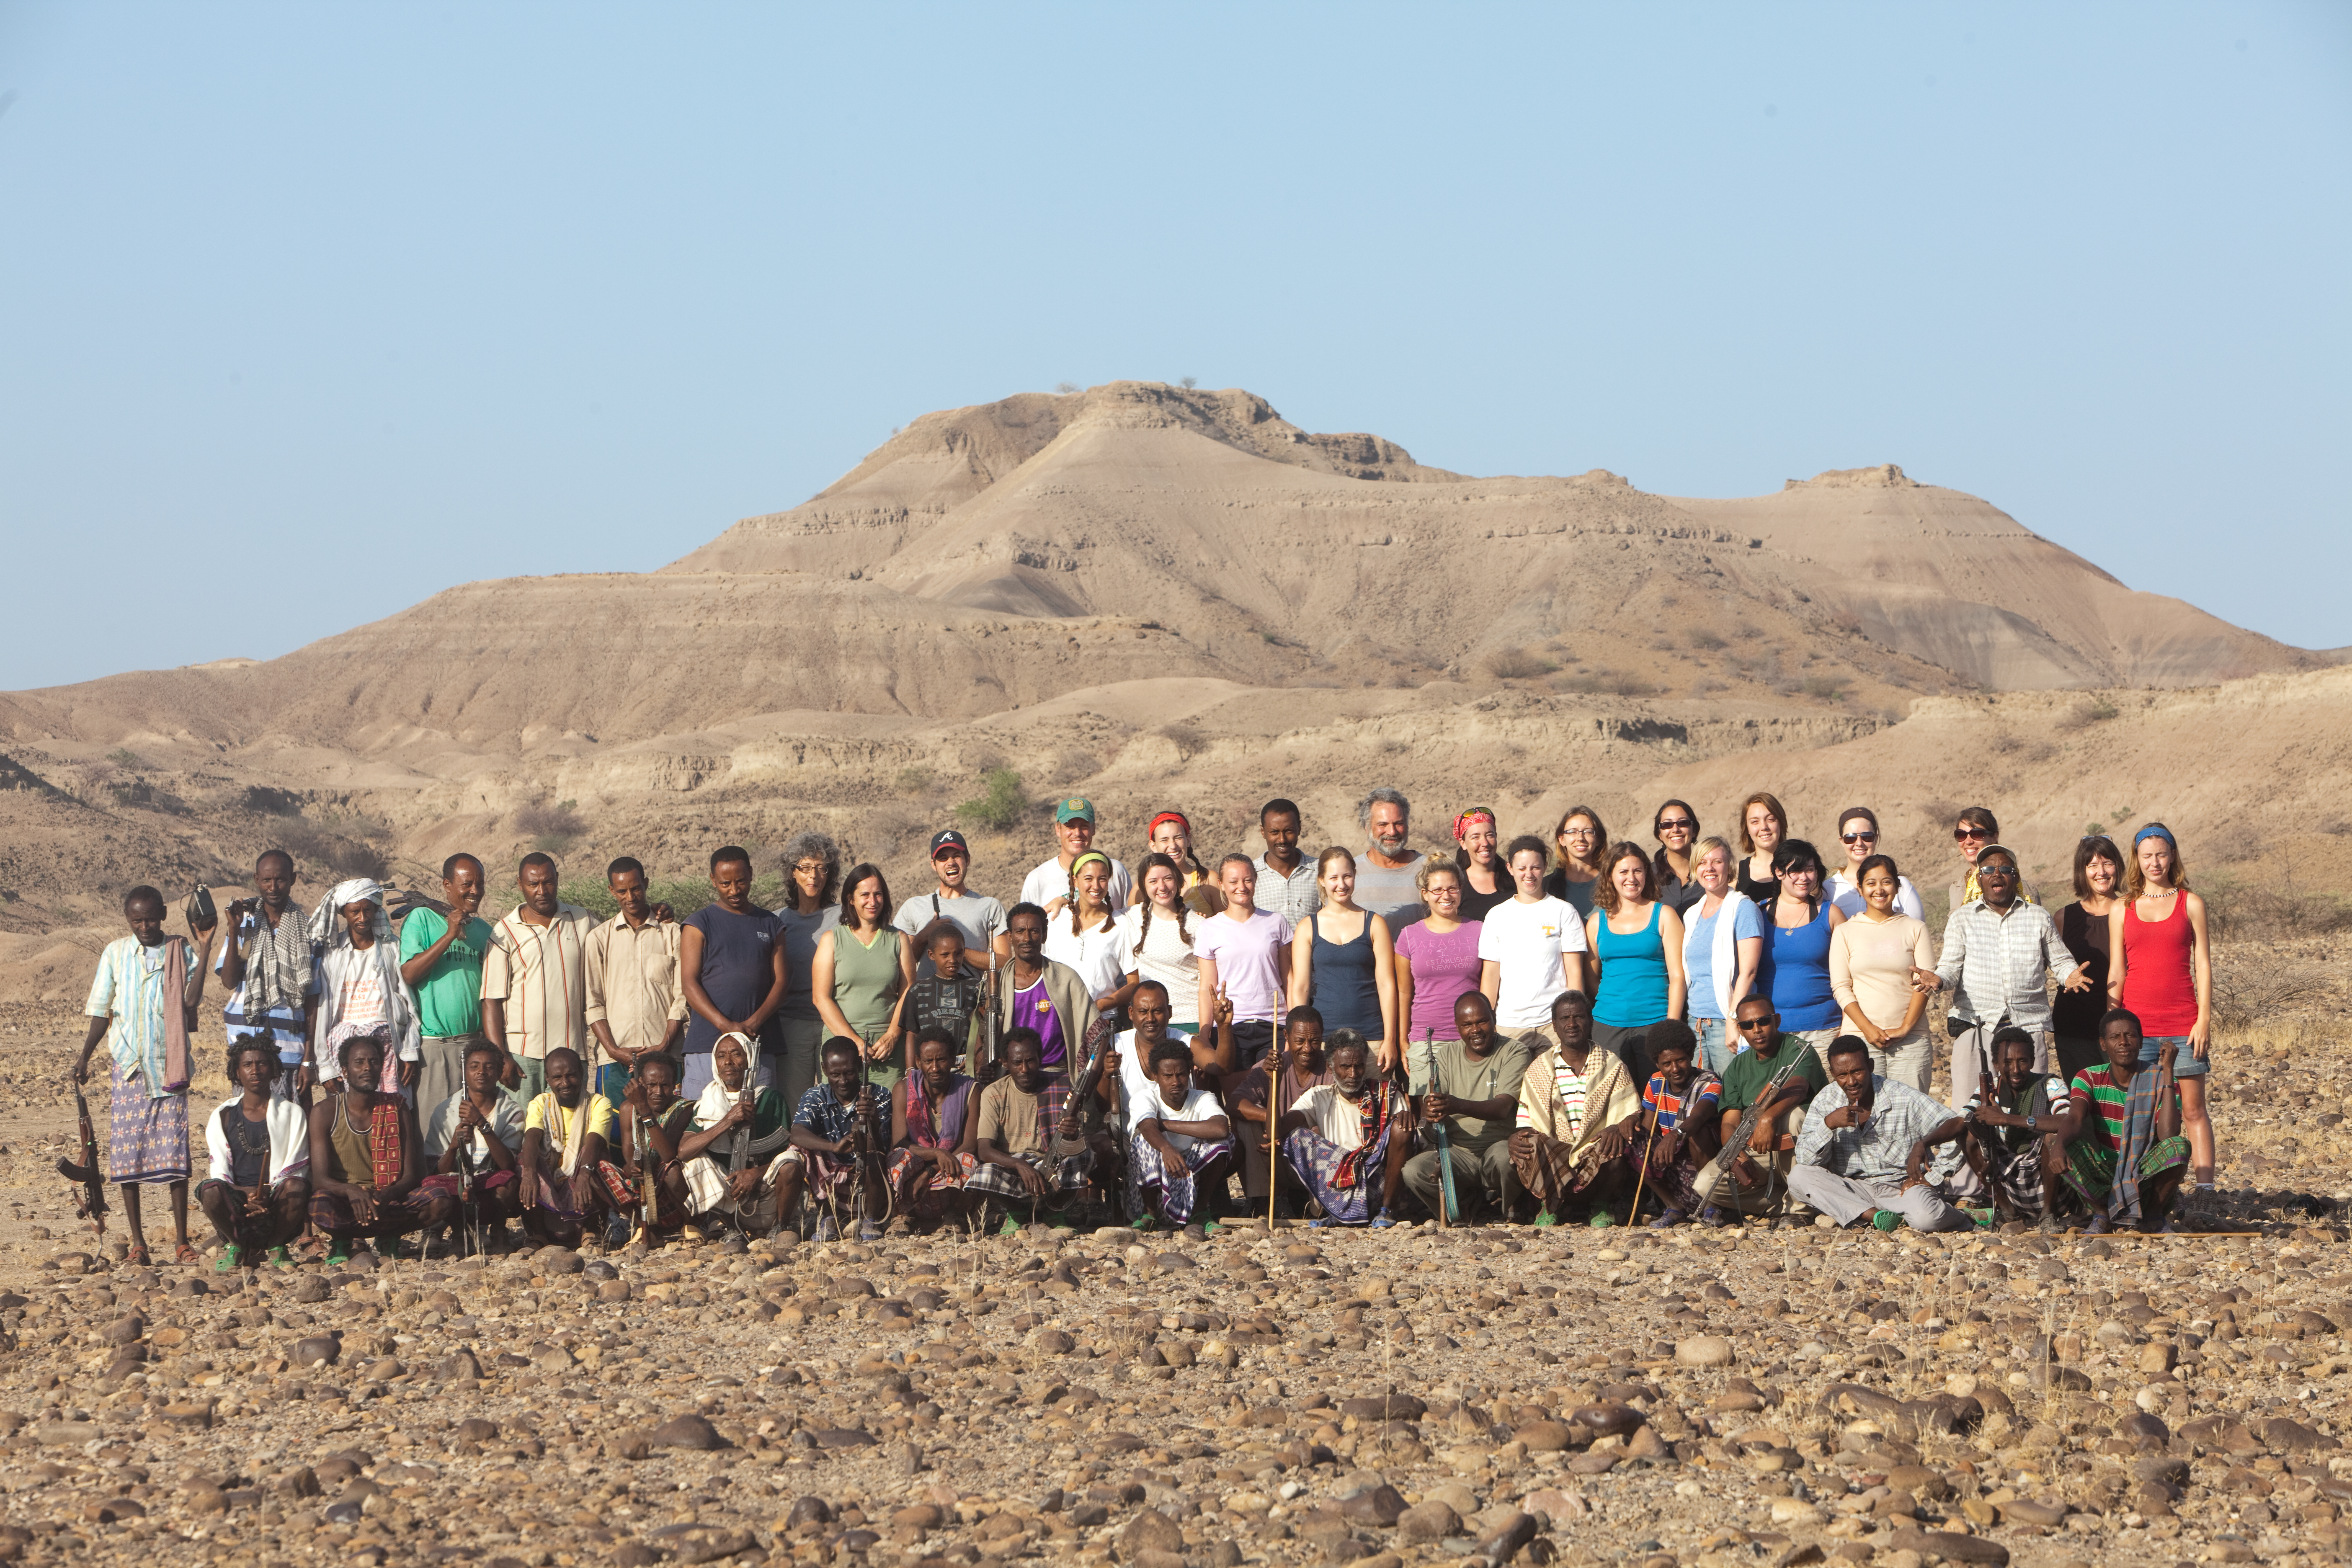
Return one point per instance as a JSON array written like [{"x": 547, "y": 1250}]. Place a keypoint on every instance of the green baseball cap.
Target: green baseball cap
[{"x": 1076, "y": 808}]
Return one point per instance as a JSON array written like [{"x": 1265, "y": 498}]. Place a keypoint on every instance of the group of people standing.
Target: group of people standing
[{"x": 1521, "y": 1025}]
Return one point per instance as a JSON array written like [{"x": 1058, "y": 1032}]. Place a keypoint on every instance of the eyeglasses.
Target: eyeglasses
[
  {"x": 1859, "y": 837},
  {"x": 1678, "y": 825},
  {"x": 1970, "y": 830},
  {"x": 1575, "y": 833},
  {"x": 2004, "y": 873}
]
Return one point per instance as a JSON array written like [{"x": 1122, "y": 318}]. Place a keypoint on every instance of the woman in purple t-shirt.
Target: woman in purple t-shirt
[{"x": 1437, "y": 958}]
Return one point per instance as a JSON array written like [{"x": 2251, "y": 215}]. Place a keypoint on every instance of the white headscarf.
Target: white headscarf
[{"x": 338, "y": 959}]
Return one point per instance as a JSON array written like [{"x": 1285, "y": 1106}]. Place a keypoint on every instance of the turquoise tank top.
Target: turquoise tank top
[{"x": 1632, "y": 975}]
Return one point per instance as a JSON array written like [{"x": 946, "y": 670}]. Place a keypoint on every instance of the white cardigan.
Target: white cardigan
[
  {"x": 1723, "y": 960},
  {"x": 290, "y": 1139}
]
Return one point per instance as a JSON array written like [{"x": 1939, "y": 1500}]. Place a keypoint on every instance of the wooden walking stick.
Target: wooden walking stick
[
  {"x": 1445, "y": 1201},
  {"x": 1643, "y": 1174}
]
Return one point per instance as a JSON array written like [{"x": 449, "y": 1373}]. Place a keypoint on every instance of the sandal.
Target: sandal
[
  {"x": 232, "y": 1258},
  {"x": 279, "y": 1257},
  {"x": 137, "y": 1256},
  {"x": 188, "y": 1257},
  {"x": 338, "y": 1255}
]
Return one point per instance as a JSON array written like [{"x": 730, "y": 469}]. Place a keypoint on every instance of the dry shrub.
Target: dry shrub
[
  {"x": 1518, "y": 664},
  {"x": 1187, "y": 741},
  {"x": 2240, "y": 914},
  {"x": 2247, "y": 993}
]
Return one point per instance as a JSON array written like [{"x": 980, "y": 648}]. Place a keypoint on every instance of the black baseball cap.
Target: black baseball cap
[{"x": 948, "y": 838}]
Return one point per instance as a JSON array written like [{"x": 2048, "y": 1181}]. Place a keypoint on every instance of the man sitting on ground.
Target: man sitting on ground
[
  {"x": 367, "y": 1158},
  {"x": 1474, "y": 1095},
  {"x": 1029, "y": 1142},
  {"x": 1304, "y": 1063},
  {"x": 735, "y": 1152},
  {"x": 2017, "y": 1133},
  {"x": 1868, "y": 1150},
  {"x": 932, "y": 1132},
  {"x": 484, "y": 1123},
  {"x": 652, "y": 1124},
  {"x": 836, "y": 1130},
  {"x": 1575, "y": 1118},
  {"x": 2127, "y": 1157},
  {"x": 1759, "y": 1178},
  {"x": 1347, "y": 1140},
  {"x": 1676, "y": 1126},
  {"x": 1179, "y": 1147},
  {"x": 257, "y": 1191},
  {"x": 565, "y": 1130}
]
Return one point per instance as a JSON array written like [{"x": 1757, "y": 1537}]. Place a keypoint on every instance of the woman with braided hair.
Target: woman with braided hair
[
  {"x": 1086, "y": 936},
  {"x": 1156, "y": 943}
]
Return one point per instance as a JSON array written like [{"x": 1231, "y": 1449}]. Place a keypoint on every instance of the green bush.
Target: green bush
[
  {"x": 1002, "y": 805},
  {"x": 684, "y": 895}
]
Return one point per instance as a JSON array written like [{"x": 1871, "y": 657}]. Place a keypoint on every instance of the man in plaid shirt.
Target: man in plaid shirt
[
  {"x": 1867, "y": 1145},
  {"x": 2000, "y": 952}
]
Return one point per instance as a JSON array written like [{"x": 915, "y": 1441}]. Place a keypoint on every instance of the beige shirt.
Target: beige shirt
[
  {"x": 540, "y": 972},
  {"x": 1339, "y": 1118},
  {"x": 1870, "y": 965},
  {"x": 633, "y": 984},
  {"x": 1009, "y": 1118}
]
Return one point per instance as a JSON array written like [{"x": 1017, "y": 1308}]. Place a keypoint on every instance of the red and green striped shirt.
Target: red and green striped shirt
[{"x": 2100, "y": 1087}]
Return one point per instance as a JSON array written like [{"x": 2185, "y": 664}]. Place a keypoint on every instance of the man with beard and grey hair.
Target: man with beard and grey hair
[{"x": 1387, "y": 872}]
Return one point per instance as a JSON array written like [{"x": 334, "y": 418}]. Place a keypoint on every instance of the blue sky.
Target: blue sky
[{"x": 312, "y": 310}]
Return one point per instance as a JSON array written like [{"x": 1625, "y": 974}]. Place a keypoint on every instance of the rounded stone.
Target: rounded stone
[{"x": 1703, "y": 1350}]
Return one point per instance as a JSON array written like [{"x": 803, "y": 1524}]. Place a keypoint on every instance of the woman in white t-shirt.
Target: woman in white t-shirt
[
  {"x": 1155, "y": 943},
  {"x": 1086, "y": 936},
  {"x": 1536, "y": 942}
]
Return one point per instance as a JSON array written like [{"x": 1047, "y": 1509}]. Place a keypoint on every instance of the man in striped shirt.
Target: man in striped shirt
[
  {"x": 535, "y": 980},
  {"x": 2126, "y": 1160}
]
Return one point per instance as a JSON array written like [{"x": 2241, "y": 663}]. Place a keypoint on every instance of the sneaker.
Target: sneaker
[
  {"x": 1886, "y": 1220},
  {"x": 1383, "y": 1220},
  {"x": 232, "y": 1258},
  {"x": 1321, "y": 1222},
  {"x": 1713, "y": 1217},
  {"x": 1667, "y": 1220},
  {"x": 827, "y": 1228}
]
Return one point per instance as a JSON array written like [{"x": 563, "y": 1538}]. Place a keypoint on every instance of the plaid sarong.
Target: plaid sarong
[
  {"x": 2015, "y": 1175},
  {"x": 1319, "y": 1162},
  {"x": 1167, "y": 1193},
  {"x": 1062, "y": 1176},
  {"x": 383, "y": 1143},
  {"x": 2091, "y": 1169},
  {"x": 1551, "y": 1176}
]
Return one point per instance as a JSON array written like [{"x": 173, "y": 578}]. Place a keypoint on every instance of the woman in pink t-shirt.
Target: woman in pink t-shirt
[
  {"x": 1437, "y": 958},
  {"x": 1244, "y": 957}
]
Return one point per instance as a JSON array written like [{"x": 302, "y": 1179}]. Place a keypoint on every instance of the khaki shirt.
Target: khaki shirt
[
  {"x": 540, "y": 972},
  {"x": 633, "y": 984}
]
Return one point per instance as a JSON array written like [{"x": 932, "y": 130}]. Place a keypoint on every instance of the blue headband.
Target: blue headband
[{"x": 2155, "y": 830}]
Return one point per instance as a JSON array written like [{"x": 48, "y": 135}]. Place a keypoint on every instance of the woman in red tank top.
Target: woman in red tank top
[{"x": 2160, "y": 966}]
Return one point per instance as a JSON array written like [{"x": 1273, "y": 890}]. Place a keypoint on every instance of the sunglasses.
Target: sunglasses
[
  {"x": 1859, "y": 837},
  {"x": 1678, "y": 825},
  {"x": 1971, "y": 832},
  {"x": 2004, "y": 873},
  {"x": 1745, "y": 1024}
]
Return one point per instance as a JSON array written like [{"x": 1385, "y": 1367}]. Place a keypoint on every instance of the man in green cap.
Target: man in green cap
[{"x": 1048, "y": 887}]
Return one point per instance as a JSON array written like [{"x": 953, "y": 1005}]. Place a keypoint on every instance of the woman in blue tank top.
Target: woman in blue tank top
[
  {"x": 1638, "y": 941},
  {"x": 1798, "y": 924},
  {"x": 1343, "y": 963}
]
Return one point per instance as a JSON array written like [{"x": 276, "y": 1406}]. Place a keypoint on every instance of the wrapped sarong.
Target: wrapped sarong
[
  {"x": 1319, "y": 1164},
  {"x": 1551, "y": 1173},
  {"x": 1169, "y": 1193},
  {"x": 2015, "y": 1175},
  {"x": 1062, "y": 1176},
  {"x": 146, "y": 1136},
  {"x": 1674, "y": 1185}
]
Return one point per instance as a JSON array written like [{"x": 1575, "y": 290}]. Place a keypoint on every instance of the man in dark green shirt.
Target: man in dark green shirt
[{"x": 1759, "y": 1180}]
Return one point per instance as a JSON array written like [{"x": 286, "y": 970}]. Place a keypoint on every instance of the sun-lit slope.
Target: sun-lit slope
[{"x": 1956, "y": 581}]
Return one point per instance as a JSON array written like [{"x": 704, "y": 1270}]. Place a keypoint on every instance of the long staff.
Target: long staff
[
  {"x": 1642, "y": 1174},
  {"x": 1448, "y": 1210}
]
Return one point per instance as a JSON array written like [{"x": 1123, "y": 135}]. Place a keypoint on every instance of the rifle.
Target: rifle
[
  {"x": 648, "y": 1180},
  {"x": 469, "y": 1208},
  {"x": 88, "y": 1178},
  {"x": 1718, "y": 1170},
  {"x": 739, "y": 1156},
  {"x": 1448, "y": 1208},
  {"x": 983, "y": 1046}
]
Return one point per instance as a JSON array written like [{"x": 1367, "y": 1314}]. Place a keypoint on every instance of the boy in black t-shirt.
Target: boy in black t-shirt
[{"x": 948, "y": 998}]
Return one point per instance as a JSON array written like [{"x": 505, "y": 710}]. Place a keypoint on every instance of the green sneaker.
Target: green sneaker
[
  {"x": 1602, "y": 1219},
  {"x": 1886, "y": 1220},
  {"x": 232, "y": 1258},
  {"x": 1546, "y": 1219}
]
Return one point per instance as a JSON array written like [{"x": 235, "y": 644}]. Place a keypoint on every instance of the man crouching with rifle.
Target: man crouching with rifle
[{"x": 2017, "y": 1132}]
